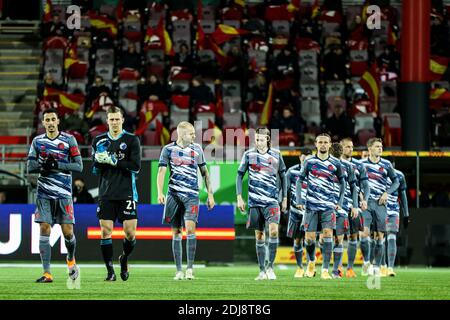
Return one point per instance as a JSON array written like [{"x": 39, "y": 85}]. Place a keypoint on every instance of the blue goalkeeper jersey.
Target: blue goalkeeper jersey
[
  {"x": 321, "y": 176},
  {"x": 263, "y": 171},
  {"x": 183, "y": 164}
]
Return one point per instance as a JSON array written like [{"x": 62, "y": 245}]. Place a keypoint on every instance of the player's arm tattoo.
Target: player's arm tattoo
[{"x": 205, "y": 174}]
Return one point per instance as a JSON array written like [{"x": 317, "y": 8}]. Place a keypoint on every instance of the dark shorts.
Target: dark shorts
[
  {"x": 375, "y": 217},
  {"x": 294, "y": 228},
  {"x": 117, "y": 210},
  {"x": 319, "y": 219},
  {"x": 51, "y": 211},
  {"x": 178, "y": 209},
  {"x": 356, "y": 224},
  {"x": 392, "y": 223},
  {"x": 342, "y": 225},
  {"x": 259, "y": 216}
]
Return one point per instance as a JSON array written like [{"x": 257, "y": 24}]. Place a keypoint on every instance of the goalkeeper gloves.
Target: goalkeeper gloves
[
  {"x": 106, "y": 158},
  {"x": 50, "y": 163}
]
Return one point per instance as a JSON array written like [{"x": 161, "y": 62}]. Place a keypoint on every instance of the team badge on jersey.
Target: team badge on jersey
[
  {"x": 123, "y": 146},
  {"x": 61, "y": 146}
]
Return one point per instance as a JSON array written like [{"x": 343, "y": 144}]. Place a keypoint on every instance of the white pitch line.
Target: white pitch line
[{"x": 35, "y": 265}]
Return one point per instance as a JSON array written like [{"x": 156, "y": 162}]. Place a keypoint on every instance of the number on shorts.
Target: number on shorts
[
  {"x": 131, "y": 205},
  {"x": 194, "y": 209}
]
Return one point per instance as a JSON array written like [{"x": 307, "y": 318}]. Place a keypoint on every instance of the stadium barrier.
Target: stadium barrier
[{"x": 19, "y": 235}]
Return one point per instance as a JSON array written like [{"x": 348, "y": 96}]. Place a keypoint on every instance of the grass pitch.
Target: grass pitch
[{"x": 221, "y": 283}]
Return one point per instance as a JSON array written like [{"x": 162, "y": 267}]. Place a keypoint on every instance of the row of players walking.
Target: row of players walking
[{"x": 330, "y": 196}]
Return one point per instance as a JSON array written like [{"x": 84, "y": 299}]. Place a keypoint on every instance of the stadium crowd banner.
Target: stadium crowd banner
[
  {"x": 223, "y": 180},
  {"x": 19, "y": 235}
]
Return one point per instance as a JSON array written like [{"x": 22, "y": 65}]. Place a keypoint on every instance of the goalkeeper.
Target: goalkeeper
[{"x": 117, "y": 160}]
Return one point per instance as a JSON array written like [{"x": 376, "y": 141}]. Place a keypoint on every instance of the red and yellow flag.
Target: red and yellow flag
[
  {"x": 438, "y": 66},
  {"x": 166, "y": 41},
  {"x": 218, "y": 52},
  {"x": 71, "y": 56},
  {"x": 240, "y": 3},
  {"x": 293, "y": 6},
  {"x": 149, "y": 111},
  {"x": 163, "y": 133},
  {"x": 200, "y": 37},
  {"x": 364, "y": 12},
  {"x": 392, "y": 37},
  {"x": 224, "y": 33},
  {"x": 315, "y": 9},
  {"x": 101, "y": 22},
  {"x": 70, "y": 102},
  {"x": 267, "y": 109},
  {"x": 370, "y": 82},
  {"x": 48, "y": 8}
]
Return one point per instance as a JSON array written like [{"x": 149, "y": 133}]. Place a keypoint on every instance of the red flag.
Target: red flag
[
  {"x": 48, "y": 8},
  {"x": 199, "y": 10},
  {"x": 119, "y": 10},
  {"x": 370, "y": 82}
]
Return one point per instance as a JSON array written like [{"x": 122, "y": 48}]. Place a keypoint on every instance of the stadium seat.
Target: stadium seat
[
  {"x": 309, "y": 90},
  {"x": 392, "y": 129},
  {"x": 363, "y": 121},
  {"x": 335, "y": 89},
  {"x": 232, "y": 119},
  {"x": 364, "y": 135}
]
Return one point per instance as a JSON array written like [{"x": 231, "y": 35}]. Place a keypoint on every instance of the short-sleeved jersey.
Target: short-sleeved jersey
[
  {"x": 321, "y": 176},
  {"x": 393, "y": 206},
  {"x": 378, "y": 174},
  {"x": 292, "y": 175},
  {"x": 263, "y": 171},
  {"x": 360, "y": 172},
  {"x": 183, "y": 164},
  {"x": 349, "y": 176},
  {"x": 55, "y": 184},
  {"x": 118, "y": 182}
]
